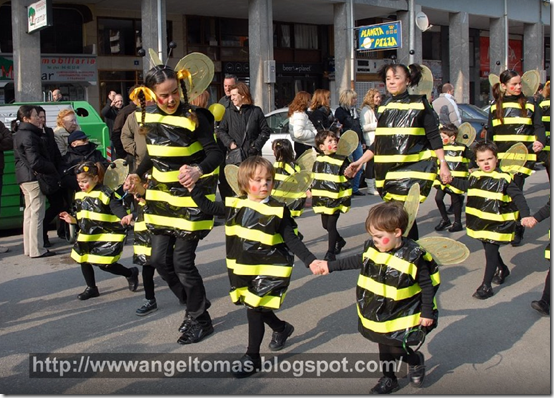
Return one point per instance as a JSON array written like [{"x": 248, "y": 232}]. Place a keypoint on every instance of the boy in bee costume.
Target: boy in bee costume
[
  {"x": 395, "y": 292},
  {"x": 260, "y": 242},
  {"x": 494, "y": 202},
  {"x": 331, "y": 190},
  {"x": 101, "y": 233},
  {"x": 458, "y": 157}
]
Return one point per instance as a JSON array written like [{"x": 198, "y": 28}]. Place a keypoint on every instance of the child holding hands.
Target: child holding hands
[
  {"x": 100, "y": 218},
  {"x": 395, "y": 291}
]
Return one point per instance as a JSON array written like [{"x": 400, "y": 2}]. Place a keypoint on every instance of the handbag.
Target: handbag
[
  {"x": 237, "y": 155},
  {"x": 49, "y": 183}
]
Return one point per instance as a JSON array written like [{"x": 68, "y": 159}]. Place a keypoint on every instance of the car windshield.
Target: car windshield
[{"x": 472, "y": 112}]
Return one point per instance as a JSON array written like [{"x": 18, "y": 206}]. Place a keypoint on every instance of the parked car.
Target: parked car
[{"x": 476, "y": 117}]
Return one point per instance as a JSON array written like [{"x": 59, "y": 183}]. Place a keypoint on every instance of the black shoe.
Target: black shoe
[
  {"x": 518, "y": 236},
  {"x": 542, "y": 306},
  {"x": 330, "y": 256},
  {"x": 483, "y": 292},
  {"x": 195, "y": 332},
  {"x": 358, "y": 193},
  {"x": 246, "y": 366},
  {"x": 89, "y": 293},
  {"x": 185, "y": 325},
  {"x": 500, "y": 275},
  {"x": 340, "y": 244},
  {"x": 133, "y": 279},
  {"x": 442, "y": 225},
  {"x": 47, "y": 254},
  {"x": 148, "y": 307},
  {"x": 47, "y": 243},
  {"x": 456, "y": 227},
  {"x": 416, "y": 373},
  {"x": 385, "y": 385},
  {"x": 278, "y": 339}
]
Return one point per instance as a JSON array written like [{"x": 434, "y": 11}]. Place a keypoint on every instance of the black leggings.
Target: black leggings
[
  {"x": 256, "y": 328},
  {"x": 392, "y": 353},
  {"x": 546, "y": 291},
  {"x": 329, "y": 222},
  {"x": 115, "y": 268},
  {"x": 493, "y": 262},
  {"x": 184, "y": 254},
  {"x": 174, "y": 284},
  {"x": 456, "y": 205}
]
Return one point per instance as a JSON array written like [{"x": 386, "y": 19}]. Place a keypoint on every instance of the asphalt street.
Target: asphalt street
[{"x": 497, "y": 346}]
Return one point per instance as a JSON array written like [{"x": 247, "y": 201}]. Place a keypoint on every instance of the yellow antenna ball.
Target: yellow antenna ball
[{"x": 218, "y": 111}]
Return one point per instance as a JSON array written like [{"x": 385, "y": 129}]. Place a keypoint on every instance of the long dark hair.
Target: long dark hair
[
  {"x": 283, "y": 150},
  {"x": 413, "y": 72},
  {"x": 498, "y": 95},
  {"x": 23, "y": 111}
]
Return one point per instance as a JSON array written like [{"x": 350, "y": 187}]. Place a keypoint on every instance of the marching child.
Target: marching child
[
  {"x": 101, "y": 233},
  {"x": 395, "y": 292},
  {"x": 285, "y": 166},
  {"x": 331, "y": 190},
  {"x": 457, "y": 158},
  {"x": 260, "y": 242},
  {"x": 493, "y": 204}
]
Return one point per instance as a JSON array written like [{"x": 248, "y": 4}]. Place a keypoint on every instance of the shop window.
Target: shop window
[
  {"x": 202, "y": 31},
  {"x": 306, "y": 37},
  {"x": 234, "y": 32},
  {"x": 282, "y": 35}
]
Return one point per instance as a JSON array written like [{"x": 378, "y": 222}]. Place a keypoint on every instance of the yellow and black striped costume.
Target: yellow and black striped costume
[
  {"x": 331, "y": 190},
  {"x": 545, "y": 153},
  {"x": 457, "y": 160},
  {"x": 282, "y": 171},
  {"x": 490, "y": 213},
  {"x": 142, "y": 245},
  {"x": 403, "y": 155},
  {"x": 101, "y": 235},
  {"x": 258, "y": 261},
  {"x": 387, "y": 292},
  {"x": 171, "y": 143},
  {"x": 516, "y": 128}
]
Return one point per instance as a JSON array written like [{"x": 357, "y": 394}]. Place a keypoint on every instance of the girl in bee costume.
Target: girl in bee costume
[
  {"x": 260, "y": 242},
  {"x": 406, "y": 135},
  {"x": 514, "y": 118},
  {"x": 544, "y": 155},
  {"x": 286, "y": 166},
  {"x": 178, "y": 137},
  {"x": 101, "y": 233}
]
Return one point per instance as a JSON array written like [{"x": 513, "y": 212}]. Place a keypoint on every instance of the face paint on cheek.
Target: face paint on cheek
[
  {"x": 254, "y": 189},
  {"x": 160, "y": 101},
  {"x": 385, "y": 241}
]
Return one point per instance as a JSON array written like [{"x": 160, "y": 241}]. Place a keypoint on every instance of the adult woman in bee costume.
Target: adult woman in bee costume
[
  {"x": 407, "y": 140},
  {"x": 179, "y": 136}
]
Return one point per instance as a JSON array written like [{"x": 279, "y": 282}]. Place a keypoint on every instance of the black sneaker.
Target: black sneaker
[
  {"x": 89, "y": 293},
  {"x": 246, "y": 366},
  {"x": 442, "y": 225},
  {"x": 541, "y": 306},
  {"x": 133, "y": 279},
  {"x": 416, "y": 373},
  {"x": 340, "y": 244},
  {"x": 330, "y": 256},
  {"x": 148, "y": 307},
  {"x": 483, "y": 292},
  {"x": 500, "y": 275},
  {"x": 518, "y": 237},
  {"x": 456, "y": 227},
  {"x": 385, "y": 385},
  {"x": 278, "y": 339},
  {"x": 195, "y": 332}
]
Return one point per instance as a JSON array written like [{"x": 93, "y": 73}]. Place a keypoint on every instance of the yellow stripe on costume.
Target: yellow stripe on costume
[
  {"x": 93, "y": 194},
  {"x": 481, "y": 193},
  {"x": 400, "y": 131},
  {"x": 331, "y": 160},
  {"x": 516, "y": 105},
  {"x": 179, "y": 201},
  {"x": 392, "y": 325},
  {"x": 490, "y": 235},
  {"x": 329, "y": 177},
  {"x": 333, "y": 195},
  {"x": 402, "y": 106},
  {"x": 327, "y": 210},
  {"x": 252, "y": 300},
  {"x": 418, "y": 175},
  {"x": 289, "y": 195},
  {"x": 514, "y": 137},
  {"x": 174, "y": 151},
  {"x": 91, "y": 215},
  {"x": 427, "y": 154},
  {"x": 278, "y": 271},
  {"x": 512, "y": 120},
  {"x": 391, "y": 261},
  {"x": 179, "y": 223},
  {"x": 100, "y": 237},
  {"x": 177, "y": 121},
  {"x": 390, "y": 292},
  {"x": 492, "y": 216},
  {"x": 93, "y": 258},
  {"x": 140, "y": 249},
  {"x": 253, "y": 235}
]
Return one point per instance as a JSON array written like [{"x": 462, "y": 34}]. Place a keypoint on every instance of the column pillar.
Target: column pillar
[
  {"x": 533, "y": 43},
  {"x": 343, "y": 75},
  {"x": 459, "y": 55},
  {"x": 403, "y": 53},
  {"x": 151, "y": 32},
  {"x": 260, "y": 43},
  {"x": 26, "y": 56},
  {"x": 497, "y": 46}
]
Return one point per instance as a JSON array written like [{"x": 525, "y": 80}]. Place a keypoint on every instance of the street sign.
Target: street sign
[{"x": 383, "y": 36}]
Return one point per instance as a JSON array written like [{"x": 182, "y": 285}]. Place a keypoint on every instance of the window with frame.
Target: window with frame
[{"x": 306, "y": 37}]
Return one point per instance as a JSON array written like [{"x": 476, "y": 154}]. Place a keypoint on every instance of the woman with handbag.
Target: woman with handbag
[
  {"x": 32, "y": 162},
  {"x": 243, "y": 131}
]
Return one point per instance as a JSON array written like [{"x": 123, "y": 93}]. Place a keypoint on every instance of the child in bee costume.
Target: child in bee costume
[
  {"x": 542, "y": 305},
  {"x": 544, "y": 155},
  {"x": 260, "y": 242},
  {"x": 394, "y": 294},
  {"x": 101, "y": 234},
  {"x": 458, "y": 157},
  {"x": 494, "y": 202},
  {"x": 331, "y": 190}
]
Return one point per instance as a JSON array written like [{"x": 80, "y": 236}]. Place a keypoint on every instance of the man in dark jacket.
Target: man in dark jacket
[
  {"x": 6, "y": 144},
  {"x": 109, "y": 113},
  {"x": 115, "y": 133}
]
